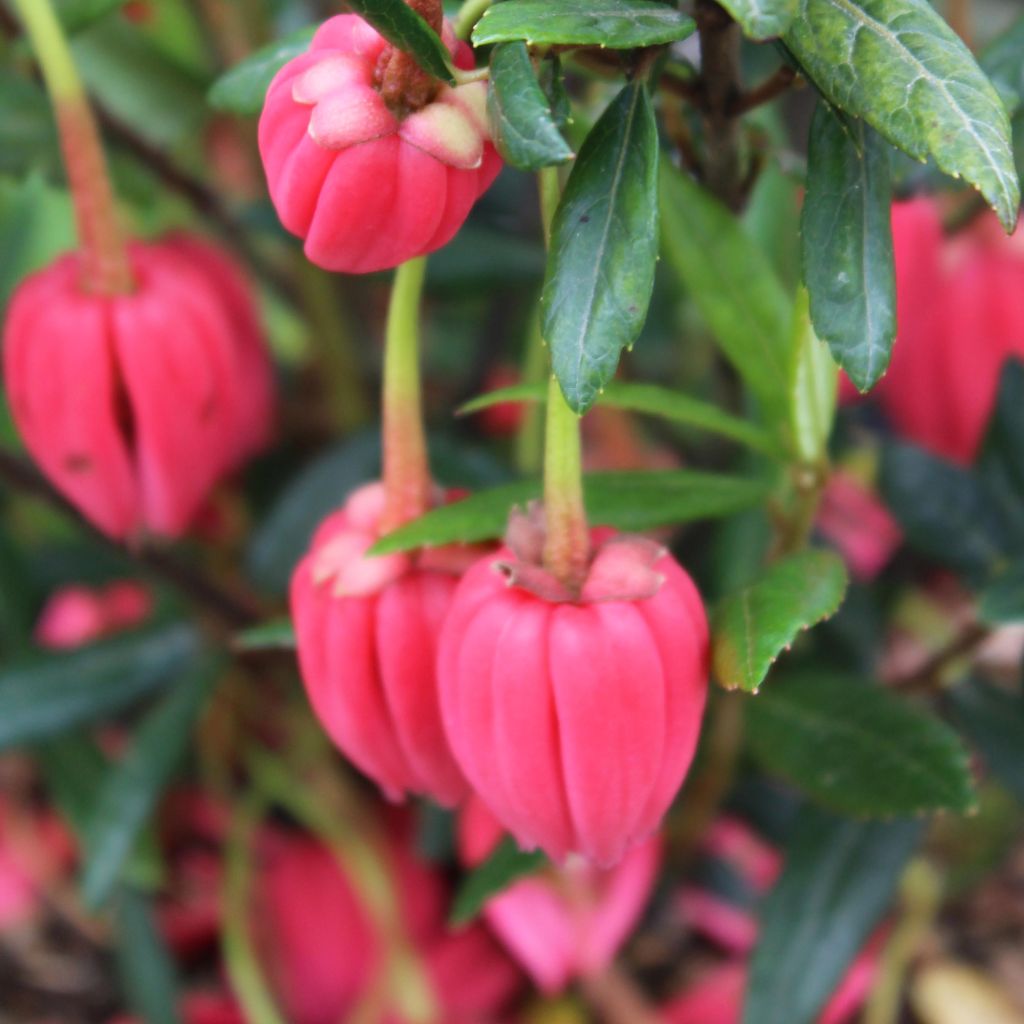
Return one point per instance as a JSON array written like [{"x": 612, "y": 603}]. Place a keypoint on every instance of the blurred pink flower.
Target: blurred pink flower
[
  {"x": 76, "y": 615},
  {"x": 859, "y": 525}
]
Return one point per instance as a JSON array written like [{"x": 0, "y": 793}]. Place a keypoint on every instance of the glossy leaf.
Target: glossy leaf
[
  {"x": 276, "y": 635},
  {"x": 604, "y": 247},
  {"x": 506, "y": 865},
  {"x": 762, "y": 19},
  {"x": 401, "y": 26},
  {"x": 857, "y": 748},
  {"x": 522, "y": 123},
  {"x": 839, "y": 878},
  {"x": 732, "y": 284},
  {"x": 51, "y": 694},
  {"x": 751, "y": 627},
  {"x": 242, "y": 89},
  {"x": 650, "y": 399},
  {"x": 144, "y": 964},
  {"x": 847, "y": 244},
  {"x": 943, "y": 510},
  {"x": 900, "y": 67},
  {"x": 813, "y": 389},
  {"x": 616, "y": 24},
  {"x": 133, "y": 786},
  {"x": 628, "y": 501},
  {"x": 993, "y": 719}
]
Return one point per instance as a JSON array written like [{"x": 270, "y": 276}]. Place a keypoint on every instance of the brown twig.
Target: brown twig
[
  {"x": 772, "y": 87},
  {"x": 928, "y": 676},
  {"x": 231, "y": 609}
]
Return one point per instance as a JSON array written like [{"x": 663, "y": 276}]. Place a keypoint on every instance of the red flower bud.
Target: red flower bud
[
  {"x": 367, "y": 636},
  {"x": 368, "y": 185},
  {"x": 135, "y": 405},
  {"x": 575, "y": 717}
]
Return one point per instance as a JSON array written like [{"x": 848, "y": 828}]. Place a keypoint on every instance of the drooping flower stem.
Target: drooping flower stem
[
  {"x": 105, "y": 266},
  {"x": 406, "y": 465},
  {"x": 567, "y": 541}
]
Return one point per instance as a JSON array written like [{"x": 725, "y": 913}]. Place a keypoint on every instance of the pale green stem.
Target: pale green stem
[
  {"x": 406, "y": 464},
  {"x": 469, "y": 14},
  {"x": 105, "y": 266},
  {"x": 530, "y": 439}
]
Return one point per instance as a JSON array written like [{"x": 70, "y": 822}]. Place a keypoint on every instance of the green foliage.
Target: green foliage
[
  {"x": 838, "y": 880},
  {"x": 143, "y": 960},
  {"x": 857, "y": 748},
  {"x": 604, "y": 245},
  {"x": 48, "y": 695},
  {"x": 813, "y": 388},
  {"x": 733, "y": 285},
  {"x": 522, "y": 123},
  {"x": 276, "y": 635},
  {"x": 897, "y": 65},
  {"x": 762, "y": 19},
  {"x": 76, "y": 15},
  {"x": 628, "y": 501},
  {"x": 401, "y": 26},
  {"x": 993, "y": 719},
  {"x": 752, "y": 627},
  {"x": 616, "y": 24},
  {"x": 242, "y": 89},
  {"x": 847, "y": 244},
  {"x": 505, "y": 865}
]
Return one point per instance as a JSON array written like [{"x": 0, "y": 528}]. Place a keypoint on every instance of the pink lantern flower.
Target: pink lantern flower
[
  {"x": 135, "y": 404},
  {"x": 77, "y": 615},
  {"x": 859, "y": 525},
  {"x": 575, "y": 716},
  {"x": 367, "y": 158},
  {"x": 367, "y": 632},
  {"x": 568, "y": 922}
]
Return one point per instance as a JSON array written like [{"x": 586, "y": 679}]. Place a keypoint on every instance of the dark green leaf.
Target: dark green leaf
[
  {"x": 839, "y": 879},
  {"x": 1003, "y": 62},
  {"x": 144, "y": 964},
  {"x": 733, "y": 285},
  {"x": 604, "y": 247},
  {"x": 522, "y": 123},
  {"x": 28, "y": 135},
  {"x": 651, "y": 399},
  {"x": 400, "y": 25},
  {"x": 1002, "y": 600},
  {"x": 506, "y": 865},
  {"x": 943, "y": 509},
  {"x": 762, "y": 19},
  {"x": 857, "y": 748},
  {"x": 617, "y": 24},
  {"x": 73, "y": 767},
  {"x": 847, "y": 245},
  {"x": 277, "y": 635},
  {"x": 900, "y": 67},
  {"x": 752, "y": 627},
  {"x": 133, "y": 786},
  {"x": 993, "y": 720},
  {"x": 629, "y": 501},
  {"x": 242, "y": 89},
  {"x": 49, "y": 695},
  {"x": 1001, "y": 465}
]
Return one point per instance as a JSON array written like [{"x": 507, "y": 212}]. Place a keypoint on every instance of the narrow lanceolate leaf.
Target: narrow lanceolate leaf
[
  {"x": 956, "y": 524},
  {"x": 732, "y": 283},
  {"x": 50, "y": 695},
  {"x": 522, "y": 123},
  {"x": 838, "y": 881},
  {"x": 401, "y": 26},
  {"x": 814, "y": 387},
  {"x": 900, "y": 67},
  {"x": 651, "y": 399},
  {"x": 857, "y": 748},
  {"x": 847, "y": 244},
  {"x": 242, "y": 89},
  {"x": 753, "y": 626},
  {"x": 132, "y": 788},
  {"x": 993, "y": 720},
  {"x": 604, "y": 247},
  {"x": 628, "y": 501},
  {"x": 762, "y": 19},
  {"x": 616, "y": 24},
  {"x": 145, "y": 966},
  {"x": 506, "y": 865}
]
